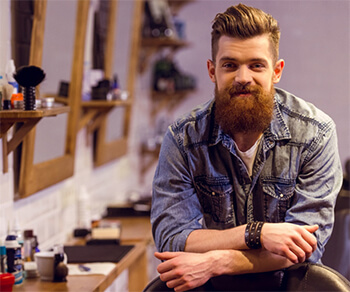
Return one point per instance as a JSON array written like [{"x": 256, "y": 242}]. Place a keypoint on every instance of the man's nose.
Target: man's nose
[{"x": 243, "y": 76}]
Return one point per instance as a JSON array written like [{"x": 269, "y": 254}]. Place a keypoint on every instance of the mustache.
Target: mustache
[{"x": 243, "y": 89}]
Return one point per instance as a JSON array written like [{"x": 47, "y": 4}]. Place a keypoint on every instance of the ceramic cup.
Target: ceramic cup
[{"x": 45, "y": 263}]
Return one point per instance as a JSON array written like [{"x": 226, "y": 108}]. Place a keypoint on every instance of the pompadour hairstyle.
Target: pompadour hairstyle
[{"x": 245, "y": 22}]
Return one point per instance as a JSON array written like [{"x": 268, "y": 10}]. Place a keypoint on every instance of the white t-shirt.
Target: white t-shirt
[{"x": 248, "y": 156}]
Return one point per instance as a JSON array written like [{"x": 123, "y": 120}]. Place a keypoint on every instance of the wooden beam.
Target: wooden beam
[
  {"x": 19, "y": 135},
  {"x": 5, "y": 166},
  {"x": 111, "y": 29}
]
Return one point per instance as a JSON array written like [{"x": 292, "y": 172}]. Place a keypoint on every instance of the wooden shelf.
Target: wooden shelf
[
  {"x": 104, "y": 103},
  {"x": 61, "y": 99},
  {"x": 94, "y": 111},
  {"x": 7, "y": 116},
  {"x": 163, "y": 42},
  {"x": 28, "y": 120},
  {"x": 167, "y": 100},
  {"x": 151, "y": 46}
]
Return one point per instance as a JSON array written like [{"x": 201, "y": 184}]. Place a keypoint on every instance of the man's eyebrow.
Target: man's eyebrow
[
  {"x": 261, "y": 60},
  {"x": 226, "y": 58}
]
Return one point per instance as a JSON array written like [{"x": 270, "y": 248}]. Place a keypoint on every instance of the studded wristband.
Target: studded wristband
[{"x": 252, "y": 234}]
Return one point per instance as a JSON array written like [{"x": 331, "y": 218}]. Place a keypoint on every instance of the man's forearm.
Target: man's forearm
[
  {"x": 234, "y": 262},
  {"x": 229, "y": 253},
  {"x": 184, "y": 270},
  {"x": 294, "y": 242},
  {"x": 203, "y": 240}
]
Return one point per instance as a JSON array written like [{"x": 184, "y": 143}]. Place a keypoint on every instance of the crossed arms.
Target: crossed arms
[{"x": 210, "y": 253}]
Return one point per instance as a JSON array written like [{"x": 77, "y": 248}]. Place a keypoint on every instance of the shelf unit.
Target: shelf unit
[
  {"x": 95, "y": 113},
  {"x": 160, "y": 100},
  {"x": 27, "y": 121}
]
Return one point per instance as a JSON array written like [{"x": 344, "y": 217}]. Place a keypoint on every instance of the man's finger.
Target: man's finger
[
  {"x": 299, "y": 252},
  {"x": 311, "y": 228},
  {"x": 163, "y": 256},
  {"x": 310, "y": 239},
  {"x": 167, "y": 276}
]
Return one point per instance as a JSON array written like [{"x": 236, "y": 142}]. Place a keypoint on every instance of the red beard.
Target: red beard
[{"x": 244, "y": 114}]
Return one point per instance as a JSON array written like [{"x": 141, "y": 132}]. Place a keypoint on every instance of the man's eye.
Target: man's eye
[
  {"x": 229, "y": 65},
  {"x": 257, "y": 66}
]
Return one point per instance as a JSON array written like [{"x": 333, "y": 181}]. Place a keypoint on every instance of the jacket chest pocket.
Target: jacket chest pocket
[
  {"x": 215, "y": 196},
  {"x": 277, "y": 199}
]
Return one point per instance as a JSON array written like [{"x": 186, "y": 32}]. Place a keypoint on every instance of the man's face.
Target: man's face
[
  {"x": 244, "y": 75},
  {"x": 245, "y": 62}
]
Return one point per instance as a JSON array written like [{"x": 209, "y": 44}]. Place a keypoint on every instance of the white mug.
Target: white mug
[{"x": 45, "y": 264}]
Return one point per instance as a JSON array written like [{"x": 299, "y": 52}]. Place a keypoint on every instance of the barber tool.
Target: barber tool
[{"x": 28, "y": 77}]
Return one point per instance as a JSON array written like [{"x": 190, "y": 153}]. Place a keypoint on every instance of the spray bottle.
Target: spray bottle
[
  {"x": 14, "y": 258},
  {"x": 10, "y": 70}
]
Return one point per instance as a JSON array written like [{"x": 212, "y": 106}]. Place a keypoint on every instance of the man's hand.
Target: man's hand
[
  {"x": 294, "y": 242},
  {"x": 184, "y": 271}
]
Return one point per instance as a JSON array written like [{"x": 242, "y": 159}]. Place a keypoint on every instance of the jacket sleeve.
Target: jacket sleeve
[
  {"x": 176, "y": 211},
  {"x": 317, "y": 188}
]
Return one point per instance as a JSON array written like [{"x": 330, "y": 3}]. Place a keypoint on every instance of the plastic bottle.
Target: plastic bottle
[
  {"x": 14, "y": 258},
  {"x": 115, "y": 92},
  {"x": 10, "y": 70},
  {"x": 3, "y": 258},
  {"x": 28, "y": 246}
]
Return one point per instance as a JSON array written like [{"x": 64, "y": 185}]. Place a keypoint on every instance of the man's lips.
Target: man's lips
[{"x": 243, "y": 93}]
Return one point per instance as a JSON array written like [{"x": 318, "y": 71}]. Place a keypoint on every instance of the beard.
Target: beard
[{"x": 244, "y": 114}]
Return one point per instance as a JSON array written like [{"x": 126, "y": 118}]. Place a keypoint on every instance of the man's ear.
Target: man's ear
[
  {"x": 211, "y": 70},
  {"x": 277, "y": 74}
]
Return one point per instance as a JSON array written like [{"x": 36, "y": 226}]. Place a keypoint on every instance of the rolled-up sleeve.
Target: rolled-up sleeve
[{"x": 176, "y": 211}]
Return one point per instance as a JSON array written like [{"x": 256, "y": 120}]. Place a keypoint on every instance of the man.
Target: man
[{"x": 247, "y": 182}]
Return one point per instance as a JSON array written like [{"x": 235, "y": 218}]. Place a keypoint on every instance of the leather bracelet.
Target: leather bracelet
[
  {"x": 246, "y": 233},
  {"x": 252, "y": 234}
]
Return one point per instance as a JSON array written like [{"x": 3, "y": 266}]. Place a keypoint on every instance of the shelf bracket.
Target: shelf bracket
[
  {"x": 17, "y": 138},
  {"x": 88, "y": 116},
  {"x": 92, "y": 116}
]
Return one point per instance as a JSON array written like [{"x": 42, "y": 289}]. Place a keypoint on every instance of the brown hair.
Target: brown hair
[{"x": 244, "y": 22}]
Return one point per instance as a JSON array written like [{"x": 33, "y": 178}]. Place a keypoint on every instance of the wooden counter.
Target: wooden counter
[{"x": 136, "y": 231}]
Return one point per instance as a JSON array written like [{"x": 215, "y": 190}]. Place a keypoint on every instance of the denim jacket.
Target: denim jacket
[{"x": 201, "y": 182}]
